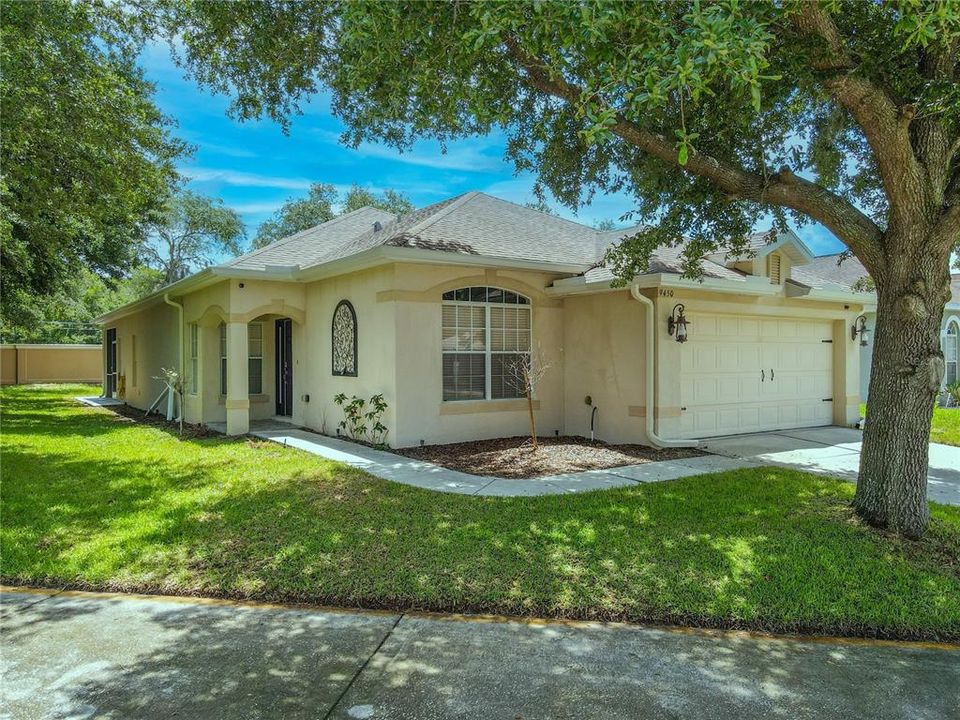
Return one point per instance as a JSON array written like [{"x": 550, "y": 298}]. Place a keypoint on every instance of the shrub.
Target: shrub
[
  {"x": 362, "y": 419},
  {"x": 953, "y": 393}
]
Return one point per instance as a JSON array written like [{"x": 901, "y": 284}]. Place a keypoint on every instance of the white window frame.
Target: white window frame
[
  {"x": 254, "y": 358},
  {"x": 135, "y": 365},
  {"x": 194, "y": 358},
  {"x": 488, "y": 352},
  {"x": 954, "y": 325},
  {"x": 223, "y": 359}
]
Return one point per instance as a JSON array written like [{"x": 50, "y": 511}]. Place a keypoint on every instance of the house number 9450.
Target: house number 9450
[{"x": 666, "y": 293}]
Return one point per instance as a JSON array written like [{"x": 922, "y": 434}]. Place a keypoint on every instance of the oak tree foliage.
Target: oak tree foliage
[{"x": 87, "y": 158}]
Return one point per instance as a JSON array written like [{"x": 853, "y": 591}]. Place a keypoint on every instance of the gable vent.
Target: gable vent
[{"x": 773, "y": 268}]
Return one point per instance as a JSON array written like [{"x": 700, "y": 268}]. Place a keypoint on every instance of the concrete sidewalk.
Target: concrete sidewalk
[
  {"x": 79, "y": 655},
  {"x": 408, "y": 471}
]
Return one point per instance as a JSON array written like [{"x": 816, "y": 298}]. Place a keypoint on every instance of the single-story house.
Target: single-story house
[
  {"x": 434, "y": 310},
  {"x": 846, "y": 271}
]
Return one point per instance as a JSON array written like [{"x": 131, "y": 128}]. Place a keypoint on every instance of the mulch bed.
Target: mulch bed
[
  {"x": 190, "y": 432},
  {"x": 515, "y": 457}
]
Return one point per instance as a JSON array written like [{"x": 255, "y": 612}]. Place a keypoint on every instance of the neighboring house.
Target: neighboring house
[
  {"x": 432, "y": 309},
  {"x": 849, "y": 273}
]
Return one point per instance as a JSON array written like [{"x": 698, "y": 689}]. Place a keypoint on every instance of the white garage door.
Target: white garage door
[{"x": 747, "y": 374}]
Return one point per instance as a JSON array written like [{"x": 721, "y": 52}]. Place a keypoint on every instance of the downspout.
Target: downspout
[
  {"x": 650, "y": 363},
  {"x": 179, "y": 307}
]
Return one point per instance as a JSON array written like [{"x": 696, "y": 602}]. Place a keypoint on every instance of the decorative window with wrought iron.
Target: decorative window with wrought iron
[
  {"x": 486, "y": 333},
  {"x": 344, "y": 335}
]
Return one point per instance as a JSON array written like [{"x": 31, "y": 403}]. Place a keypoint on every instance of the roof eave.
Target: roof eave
[
  {"x": 199, "y": 280},
  {"x": 441, "y": 257},
  {"x": 579, "y": 286}
]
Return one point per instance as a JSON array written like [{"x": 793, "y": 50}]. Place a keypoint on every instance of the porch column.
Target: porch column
[
  {"x": 846, "y": 373},
  {"x": 238, "y": 403}
]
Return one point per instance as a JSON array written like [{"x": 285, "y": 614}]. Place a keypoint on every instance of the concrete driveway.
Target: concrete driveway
[
  {"x": 80, "y": 655},
  {"x": 834, "y": 451}
]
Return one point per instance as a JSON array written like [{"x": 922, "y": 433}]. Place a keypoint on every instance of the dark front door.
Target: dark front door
[
  {"x": 285, "y": 367},
  {"x": 111, "y": 387}
]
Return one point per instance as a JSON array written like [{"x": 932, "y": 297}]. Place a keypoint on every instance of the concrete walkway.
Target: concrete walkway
[
  {"x": 408, "y": 471},
  {"x": 79, "y": 655},
  {"x": 834, "y": 451},
  {"x": 97, "y": 401}
]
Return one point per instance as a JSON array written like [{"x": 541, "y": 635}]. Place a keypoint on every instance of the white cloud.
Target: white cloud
[
  {"x": 244, "y": 179},
  {"x": 257, "y": 208},
  {"x": 219, "y": 149},
  {"x": 470, "y": 155}
]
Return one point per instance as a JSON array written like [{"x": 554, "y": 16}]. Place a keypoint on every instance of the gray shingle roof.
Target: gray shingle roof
[
  {"x": 663, "y": 260},
  {"x": 478, "y": 224},
  {"x": 469, "y": 224},
  {"x": 830, "y": 272},
  {"x": 309, "y": 246}
]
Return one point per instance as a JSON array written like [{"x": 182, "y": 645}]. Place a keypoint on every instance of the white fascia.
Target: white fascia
[
  {"x": 382, "y": 255},
  {"x": 199, "y": 280},
  {"x": 747, "y": 286}
]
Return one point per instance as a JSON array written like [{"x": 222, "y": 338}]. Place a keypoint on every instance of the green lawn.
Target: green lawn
[
  {"x": 945, "y": 427},
  {"x": 92, "y": 500}
]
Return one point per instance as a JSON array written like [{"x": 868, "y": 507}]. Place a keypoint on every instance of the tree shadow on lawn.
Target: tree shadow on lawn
[
  {"x": 45, "y": 411},
  {"x": 771, "y": 549},
  {"x": 164, "y": 659}
]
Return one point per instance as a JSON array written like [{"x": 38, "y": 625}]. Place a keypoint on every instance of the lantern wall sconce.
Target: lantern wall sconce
[
  {"x": 677, "y": 323},
  {"x": 860, "y": 328}
]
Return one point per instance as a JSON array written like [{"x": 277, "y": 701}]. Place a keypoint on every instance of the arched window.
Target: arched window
[
  {"x": 344, "y": 339},
  {"x": 486, "y": 334},
  {"x": 950, "y": 353}
]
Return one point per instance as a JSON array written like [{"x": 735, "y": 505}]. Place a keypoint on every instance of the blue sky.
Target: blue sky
[{"x": 253, "y": 167}]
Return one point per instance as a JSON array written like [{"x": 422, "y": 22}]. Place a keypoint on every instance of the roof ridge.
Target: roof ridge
[
  {"x": 568, "y": 221},
  {"x": 289, "y": 238},
  {"x": 452, "y": 203},
  {"x": 388, "y": 232}
]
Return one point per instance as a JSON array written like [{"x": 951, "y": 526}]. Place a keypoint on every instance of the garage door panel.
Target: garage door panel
[
  {"x": 749, "y": 327},
  {"x": 728, "y": 358},
  {"x": 770, "y": 329},
  {"x": 726, "y": 382},
  {"x": 726, "y": 326},
  {"x": 750, "y": 389}
]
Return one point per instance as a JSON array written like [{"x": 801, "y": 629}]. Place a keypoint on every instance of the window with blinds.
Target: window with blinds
[
  {"x": 194, "y": 358},
  {"x": 255, "y": 358},
  {"x": 486, "y": 334},
  {"x": 951, "y": 351},
  {"x": 773, "y": 268},
  {"x": 223, "y": 359}
]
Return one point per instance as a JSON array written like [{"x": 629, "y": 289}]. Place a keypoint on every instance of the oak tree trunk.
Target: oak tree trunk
[{"x": 905, "y": 379}]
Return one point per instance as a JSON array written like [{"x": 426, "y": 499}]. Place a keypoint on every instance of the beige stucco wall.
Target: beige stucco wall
[
  {"x": 376, "y": 348},
  {"x": 24, "y": 364},
  {"x": 147, "y": 343},
  {"x": 421, "y": 412},
  {"x": 8, "y": 365},
  {"x": 604, "y": 339},
  {"x": 594, "y": 344}
]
